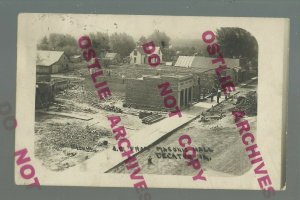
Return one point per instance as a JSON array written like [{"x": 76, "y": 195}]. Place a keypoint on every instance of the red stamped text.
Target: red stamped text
[{"x": 27, "y": 171}]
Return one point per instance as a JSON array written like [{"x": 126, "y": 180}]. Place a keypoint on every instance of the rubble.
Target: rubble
[
  {"x": 61, "y": 143},
  {"x": 247, "y": 103}
]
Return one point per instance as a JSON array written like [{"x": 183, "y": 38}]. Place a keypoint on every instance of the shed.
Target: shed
[
  {"x": 50, "y": 62},
  {"x": 113, "y": 58}
]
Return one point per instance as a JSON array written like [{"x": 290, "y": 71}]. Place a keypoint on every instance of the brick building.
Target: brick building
[
  {"x": 143, "y": 93},
  {"x": 203, "y": 70},
  {"x": 206, "y": 80}
]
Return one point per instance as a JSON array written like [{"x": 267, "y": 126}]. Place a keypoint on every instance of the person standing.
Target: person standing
[
  {"x": 123, "y": 78},
  {"x": 218, "y": 96},
  {"x": 150, "y": 160}
]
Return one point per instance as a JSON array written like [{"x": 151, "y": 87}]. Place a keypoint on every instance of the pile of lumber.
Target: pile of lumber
[{"x": 152, "y": 118}]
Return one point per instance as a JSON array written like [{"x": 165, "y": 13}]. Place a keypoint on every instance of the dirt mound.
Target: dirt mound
[
  {"x": 233, "y": 160},
  {"x": 247, "y": 103}
]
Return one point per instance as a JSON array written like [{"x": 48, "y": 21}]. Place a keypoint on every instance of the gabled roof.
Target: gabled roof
[
  {"x": 204, "y": 62},
  {"x": 48, "y": 58},
  {"x": 141, "y": 50}
]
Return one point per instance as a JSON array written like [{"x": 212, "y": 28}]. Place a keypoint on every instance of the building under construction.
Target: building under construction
[
  {"x": 143, "y": 93},
  {"x": 193, "y": 78}
]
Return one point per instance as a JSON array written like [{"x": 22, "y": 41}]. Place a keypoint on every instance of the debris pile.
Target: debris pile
[
  {"x": 214, "y": 113},
  {"x": 247, "y": 103},
  {"x": 111, "y": 108},
  {"x": 82, "y": 94},
  {"x": 72, "y": 136}
]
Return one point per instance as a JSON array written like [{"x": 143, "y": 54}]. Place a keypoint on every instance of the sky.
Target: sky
[{"x": 135, "y": 25}]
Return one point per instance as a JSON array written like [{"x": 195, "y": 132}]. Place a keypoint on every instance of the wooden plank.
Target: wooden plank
[{"x": 71, "y": 115}]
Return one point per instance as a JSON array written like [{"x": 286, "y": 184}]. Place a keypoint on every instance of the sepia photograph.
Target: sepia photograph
[{"x": 166, "y": 78}]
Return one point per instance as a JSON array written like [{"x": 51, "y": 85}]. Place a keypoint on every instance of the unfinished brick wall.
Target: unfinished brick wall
[{"x": 144, "y": 94}]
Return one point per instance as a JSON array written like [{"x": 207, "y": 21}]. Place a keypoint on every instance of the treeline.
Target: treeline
[
  {"x": 121, "y": 43},
  {"x": 190, "y": 47},
  {"x": 239, "y": 43},
  {"x": 234, "y": 43},
  {"x": 59, "y": 42}
]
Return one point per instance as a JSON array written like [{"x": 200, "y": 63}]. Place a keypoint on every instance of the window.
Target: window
[
  {"x": 134, "y": 61},
  {"x": 154, "y": 60}
]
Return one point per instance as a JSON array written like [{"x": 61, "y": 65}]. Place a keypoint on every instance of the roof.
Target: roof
[
  {"x": 204, "y": 62},
  {"x": 111, "y": 55},
  {"x": 141, "y": 50},
  {"x": 76, "y": 56},
  {"x": 184, "y": 61},
  {"x": 48, "y": 58}
]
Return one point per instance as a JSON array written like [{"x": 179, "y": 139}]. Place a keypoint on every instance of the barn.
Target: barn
[
  {"x": 51, "y": 62},
  {"x": 112, "y": 58}
]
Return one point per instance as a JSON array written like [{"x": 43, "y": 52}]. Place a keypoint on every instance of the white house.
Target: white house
[{"x": 138, "y": 56}]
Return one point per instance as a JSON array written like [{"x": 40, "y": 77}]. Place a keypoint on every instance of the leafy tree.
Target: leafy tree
[
  {"x": 105, "y": 63},
  {"x": 100, "y": 42},
  {"x": 169, "y": 54},
  {"x": 44, "y": 44},
  {"x": 122, "y": 43},
  {"x": 238, "y": 43},
  {"x": 190, "y": 47},
  {"x": 59, "y": 42},
  {"x": 142, "y": 40},
  {"x": 190, "y": 51},
  {"x": 160, "y": 39}
]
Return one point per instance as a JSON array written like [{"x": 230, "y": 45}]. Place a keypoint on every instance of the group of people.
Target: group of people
[{"x": 214, "y": 92}]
